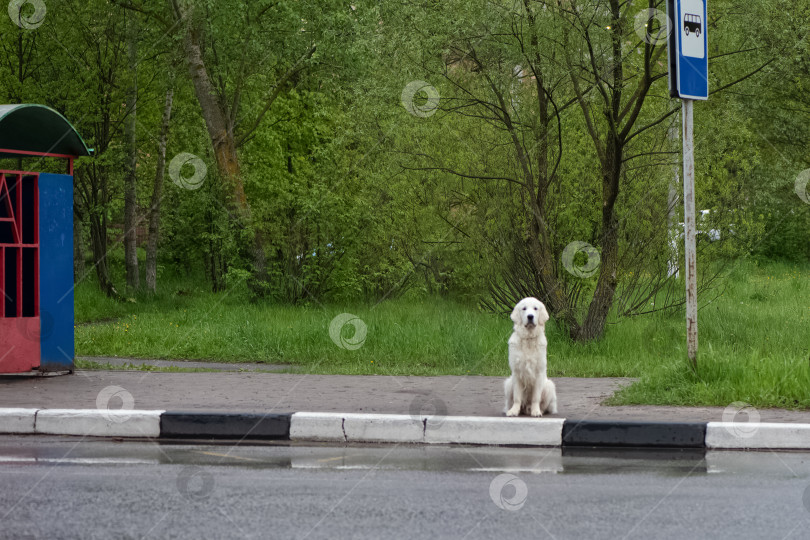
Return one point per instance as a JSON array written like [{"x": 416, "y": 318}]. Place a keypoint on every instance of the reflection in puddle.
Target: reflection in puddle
[{"x": 473, "y": 459}]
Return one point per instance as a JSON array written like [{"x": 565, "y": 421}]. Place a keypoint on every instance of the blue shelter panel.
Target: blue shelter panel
[{"x": 56, "y": 271}]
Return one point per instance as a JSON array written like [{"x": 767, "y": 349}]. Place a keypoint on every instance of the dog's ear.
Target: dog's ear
[
  {"x": 542, "y": 314},
  {"x": 515, "y": 316}
]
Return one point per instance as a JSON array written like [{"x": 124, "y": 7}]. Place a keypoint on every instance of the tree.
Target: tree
[
  {"x": 157, "y": 193},
  {"x": 130, "y": 184},
  {"x": 226, "y": 56},
  {"x": 567, "y": 104},
  {"x": 618, "y": 108},
  {"x": 84, "y": 83}
]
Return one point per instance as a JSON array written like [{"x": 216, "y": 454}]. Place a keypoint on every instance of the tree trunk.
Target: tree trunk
[
  {"x": 594, "y": 325},
  {"x": 559, "y": 304},
  {"x": 220, "y": 132},
  {"x": 98, "y": 237},
  {"x": 157, "y": 194},
  {"x": 130, "y": 196},
  {"x": 90, "y": 189}
]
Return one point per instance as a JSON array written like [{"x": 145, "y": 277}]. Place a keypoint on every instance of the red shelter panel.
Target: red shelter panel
[{"x": 19, "y": 272}]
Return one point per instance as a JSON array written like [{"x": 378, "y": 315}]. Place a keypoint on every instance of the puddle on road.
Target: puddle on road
[{"x": 27, "y": 451}]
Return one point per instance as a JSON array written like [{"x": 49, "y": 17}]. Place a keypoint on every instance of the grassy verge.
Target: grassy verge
[
  {"x": 754, "y": 346},
  {"x": 754, "y": 339}
]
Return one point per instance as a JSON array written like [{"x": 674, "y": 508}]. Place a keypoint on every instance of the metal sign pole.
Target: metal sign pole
[
  {"x": 687, "y": 52},
  {"x": 690, "y": 231}
]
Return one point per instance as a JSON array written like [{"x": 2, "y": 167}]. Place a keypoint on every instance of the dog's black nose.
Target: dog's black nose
[{"x": 530, "y": 317}]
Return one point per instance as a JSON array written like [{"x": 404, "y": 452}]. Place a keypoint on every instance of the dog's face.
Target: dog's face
[{"x": 529, "y": 314}]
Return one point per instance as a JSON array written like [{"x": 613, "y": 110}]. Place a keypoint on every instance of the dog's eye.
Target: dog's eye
[{"x": 524, "y": 309}]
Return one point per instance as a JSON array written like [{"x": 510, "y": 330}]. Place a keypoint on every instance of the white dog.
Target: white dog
[{"x": 529, "y": 390}]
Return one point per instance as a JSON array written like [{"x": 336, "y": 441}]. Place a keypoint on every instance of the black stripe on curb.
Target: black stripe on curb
[
  {"x": 634, "y": 434},
  {"x": 189, "y": 425}
]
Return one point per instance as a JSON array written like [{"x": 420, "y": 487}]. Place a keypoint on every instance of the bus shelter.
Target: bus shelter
[{"x": 36, "y": 241}]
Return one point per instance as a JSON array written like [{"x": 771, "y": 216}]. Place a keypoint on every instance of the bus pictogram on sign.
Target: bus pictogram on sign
[{"x": 692, "y": 23}]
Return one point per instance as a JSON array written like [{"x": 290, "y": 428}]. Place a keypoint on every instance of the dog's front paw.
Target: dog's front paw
[
  {"x": 514, "y": 411},
  {"x": 536, "y": 411}
]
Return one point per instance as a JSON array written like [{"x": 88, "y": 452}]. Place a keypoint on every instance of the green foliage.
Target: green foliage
[{"x": 353, "y": 194}]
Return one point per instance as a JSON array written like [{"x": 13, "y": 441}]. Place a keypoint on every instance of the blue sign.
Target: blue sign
[{"x": 688, "y": 49}]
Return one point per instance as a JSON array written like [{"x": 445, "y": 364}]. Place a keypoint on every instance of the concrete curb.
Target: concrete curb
[
  {"x": 336, "y": 427},
  {"x": 495, "y": 431},
  {"x": 397, "y": 428},
  {"x": 745, "y": 435},
  {"x": 17, "y": 420},
  {"x": 98, "y": 423},
  {"x": 634, "y": 434},
  {"x": 194, "y": 425}
]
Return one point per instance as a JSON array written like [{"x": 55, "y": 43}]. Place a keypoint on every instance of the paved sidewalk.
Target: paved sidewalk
[{"x": 283, "y": 392}]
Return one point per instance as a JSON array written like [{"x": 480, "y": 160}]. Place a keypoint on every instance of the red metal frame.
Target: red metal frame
[
  {"x": 14, "y": 171},
  {"x": 20, "y": 348},
  {"x": 42, "y": 154},
  {"x": 16, "y": 210},
  {"x": 36, "y": 240},
  {"x": 29, "y": 153}
]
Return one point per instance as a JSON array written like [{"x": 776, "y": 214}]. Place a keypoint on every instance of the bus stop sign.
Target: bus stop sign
[{"x": 688, "y": 49}]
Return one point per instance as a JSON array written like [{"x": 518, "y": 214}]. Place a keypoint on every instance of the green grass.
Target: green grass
[
  {"x": 402, "y": 338},
  {"x": 754, "y": 339},
  {"x": 754, "y": 346}
]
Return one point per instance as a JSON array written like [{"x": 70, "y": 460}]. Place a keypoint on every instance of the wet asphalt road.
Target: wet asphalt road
[{"x": 73, "y": 488}]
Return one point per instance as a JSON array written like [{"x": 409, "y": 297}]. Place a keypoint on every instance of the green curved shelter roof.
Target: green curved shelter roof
[{"x": 37, "y": 128}]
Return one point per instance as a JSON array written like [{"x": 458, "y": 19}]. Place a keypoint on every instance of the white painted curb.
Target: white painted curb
[
  {"x": 352, "y": 427},
  {"x": 17, "y": 420},
  {"x": 491, "y": 430},
  {"x": 98, "y": 423},
  {"x": 746, "y": 435},
  {"x": 306, "y": 426},
  {"x": 401, "y": 428},
  {"x": 337, "y": 427}
]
